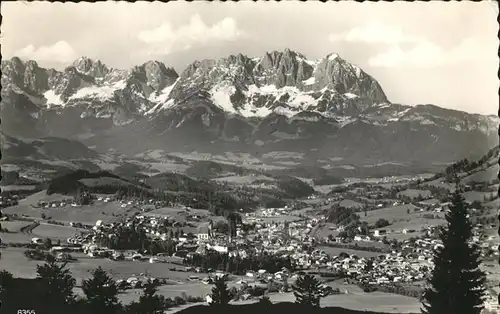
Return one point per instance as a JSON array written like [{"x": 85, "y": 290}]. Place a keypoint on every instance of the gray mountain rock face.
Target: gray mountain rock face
[
  {"x": 70, "y": 81},
  {"x": 90, "y": 67},
  {"x": 280, "y": 100},
  {"x": 155, "y": 74},
  {"x": 286, "y": 68}
]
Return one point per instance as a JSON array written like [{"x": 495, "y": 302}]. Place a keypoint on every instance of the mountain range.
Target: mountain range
[{"x": 282, "y": 101}]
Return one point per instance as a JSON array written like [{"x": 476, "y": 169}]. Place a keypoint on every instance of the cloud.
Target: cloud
[
  {"x": 428, "y": 54},
  {"x": 60, "y": 52},
  {"x": 165, "y": 39},
  {"x": 374, "y": 32}
]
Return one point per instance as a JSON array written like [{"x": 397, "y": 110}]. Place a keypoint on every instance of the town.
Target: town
[{"x": 347, "y": 243}]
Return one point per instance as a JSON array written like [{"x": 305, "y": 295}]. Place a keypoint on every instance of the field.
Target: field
[
  {"x": 44, "y": 230},
  {"x": 107, "y": 212},
  {"x": 18, "y": 187},
  {"x": 14, "y": 234},
  {"x": 389, "y": 213},
  {"x": 493, "y": 204},
  {"x": 55, "y": 232},
  {"x": 374, "y": 301},
  {"x": 334, "y": 251},
  {"x": 487, "y": 175},
  {"x": 166, "y": 167},
  {"x": 42, "y": 196},
  {"x": 400, "y": 219},
  {"x": 14, "y": 261},
  {"x": 14, "y": 226},
  {"x": 240, "y": 180},
  {"x": 438, "y": 183},
  {"x": 415, "y": 193},
  {"x": 325, "y": 188},
  {"x": 350, "y": 203},
  {"x": 477, "y": 196}
]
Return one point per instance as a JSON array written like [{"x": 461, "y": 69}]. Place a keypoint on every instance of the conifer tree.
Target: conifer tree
[
  {"x": 56, "y": 285},
  {"x": 149, "y": 302},
  {"x": 101, "y": 292},
  {"x": 220, "y": 293},
  {"x": 308, "y": 291},
  {"x": 457, "y": 283}
]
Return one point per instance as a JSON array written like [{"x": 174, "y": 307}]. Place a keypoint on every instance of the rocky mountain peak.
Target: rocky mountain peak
[
  {"x": 287, "y": 68},
  {"x": 35, "y": 78},
  {"x": 91, "y": 67},
  {"x": 155, "y": 74},
  {"x": 279, "y": 101}
]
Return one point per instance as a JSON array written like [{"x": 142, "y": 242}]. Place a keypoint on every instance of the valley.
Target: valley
[
  {"x": 255, "y": 170},
  {"x": 279, "y": 205}
]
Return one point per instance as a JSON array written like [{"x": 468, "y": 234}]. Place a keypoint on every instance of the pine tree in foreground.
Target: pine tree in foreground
[
  {"x": 457, "y": 284},
  {"x": 220, "y": 293},
  {"x": 101, "y": 292},
  {"x": 308, "y": 291},
  {"x": 149, "y": 302},
  {"x": 56, "y": 286}
]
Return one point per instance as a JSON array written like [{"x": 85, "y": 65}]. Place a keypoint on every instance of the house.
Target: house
[
  {"x": 204, "y": 231},
  {"x": 36, "y": 241},
  {"x": 208, "y": 298},
  {"x": 378, "y": 233}
]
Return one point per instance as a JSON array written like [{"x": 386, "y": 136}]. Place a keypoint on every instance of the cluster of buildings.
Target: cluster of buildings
[
  {"x": 55, "y": 204},
  {"x": 411, "y": 261},
  {"x": 6, "y": 201}
]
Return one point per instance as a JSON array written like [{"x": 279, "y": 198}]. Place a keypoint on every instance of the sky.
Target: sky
[{"x": 442, "y": 53}]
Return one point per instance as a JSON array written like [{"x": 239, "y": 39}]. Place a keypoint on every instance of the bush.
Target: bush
[
  {"x": 191, "y": 299},
  {"x": 381, "y": 223},
  {"x": 367, "y": 288},
  {"x": 265, "y": 301},
  {"x": 179, "y": 301},
  {"x": 36, "y": 255},
  {"x": 256, "y": 291}
]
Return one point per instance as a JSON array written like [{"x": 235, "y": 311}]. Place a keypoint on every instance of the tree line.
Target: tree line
[
  {"x": 237, "y": 264},
  {"x": 52, "y": 292}
]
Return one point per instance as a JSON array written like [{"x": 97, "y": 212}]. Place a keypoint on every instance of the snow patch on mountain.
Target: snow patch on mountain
[
  {"x": 345, "y": 120},
  {"x": 301, "y": 58},
  {"x": 398, "y": 115},
  {"x": 287, "y": 112},
  {"x": 221, "y": 96},
  {"x": 309, "y": 81},
  {"x": 427, "y": 122},
  {"x": 332, "y": 57},
  {"x": 163, "y": 95},
  {"x": 357, "y": 69},
  {"x": 53, "y": 99},
  {"x": 250, "y": 111},
  {"x": 104, "y": 92},
  {"x": 303, "y": 102},
  {"x": 350, "y": 95}
]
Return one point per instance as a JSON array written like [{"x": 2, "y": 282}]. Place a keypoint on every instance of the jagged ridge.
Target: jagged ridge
[{"x": 274, "y": 100}]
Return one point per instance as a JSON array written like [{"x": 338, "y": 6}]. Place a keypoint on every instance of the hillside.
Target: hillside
[
  {"x": 218, "y": 196},
  {"x": 281, "y": 101}
]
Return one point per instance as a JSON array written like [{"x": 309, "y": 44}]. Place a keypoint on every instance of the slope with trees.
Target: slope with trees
[{"x": 457, "y": 283}]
